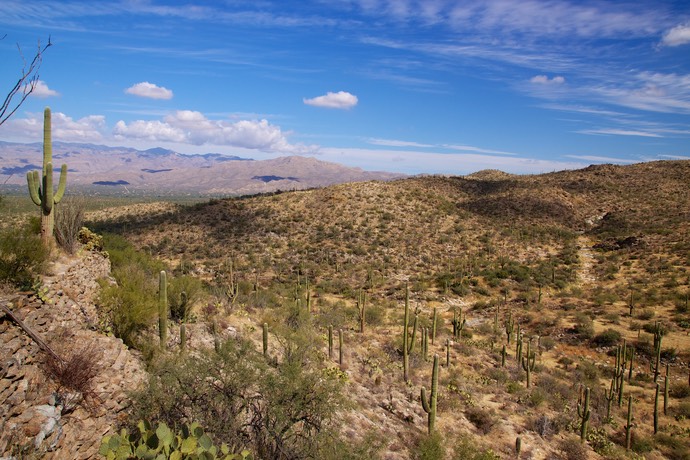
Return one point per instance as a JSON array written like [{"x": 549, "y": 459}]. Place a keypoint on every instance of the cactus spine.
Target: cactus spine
[
  {"x": 429, "y": 405},
  {"x": 163, "y": 308},
  {"x": 584, "y": 413},
  {"x": 41, "y": 192}
]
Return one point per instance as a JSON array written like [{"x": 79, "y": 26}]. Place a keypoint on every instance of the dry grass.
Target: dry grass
[{"x": 531, "y": 246}]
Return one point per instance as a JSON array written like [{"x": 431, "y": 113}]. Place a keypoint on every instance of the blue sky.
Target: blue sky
[{"x": 413, "y": 86}]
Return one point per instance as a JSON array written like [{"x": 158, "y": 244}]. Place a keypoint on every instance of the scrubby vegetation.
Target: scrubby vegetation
[{"x": 549, "y": 300}]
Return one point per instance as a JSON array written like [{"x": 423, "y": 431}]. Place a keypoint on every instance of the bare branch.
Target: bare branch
[{"x": 25, "y": 84}]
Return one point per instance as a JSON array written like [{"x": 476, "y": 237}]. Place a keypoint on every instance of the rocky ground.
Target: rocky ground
[{"x": 38, "y": 416}]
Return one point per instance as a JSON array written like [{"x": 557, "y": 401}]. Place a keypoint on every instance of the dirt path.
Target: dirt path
[{"x": 585, "y": 272}]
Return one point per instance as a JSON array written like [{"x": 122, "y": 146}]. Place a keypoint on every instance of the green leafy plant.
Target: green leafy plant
[{"x": 188, "y": 443}]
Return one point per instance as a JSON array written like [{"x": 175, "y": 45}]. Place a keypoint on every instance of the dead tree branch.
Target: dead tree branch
[{"x": 26, "y": 83}]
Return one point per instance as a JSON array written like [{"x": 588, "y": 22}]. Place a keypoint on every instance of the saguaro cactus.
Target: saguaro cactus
[
  {"x": 629, "y": 425},
  {"x": 408, "y": 342},
  {"x": 330, "y": 342},
  {"x": 163, "y": 308},
  {"x": 265, "y": 339},
  {"x": 429, "y": 405},
  {"x": 584, "y": 413},
  {"x": 41, "y": 192},
  {"x": 528, "y": 363}
]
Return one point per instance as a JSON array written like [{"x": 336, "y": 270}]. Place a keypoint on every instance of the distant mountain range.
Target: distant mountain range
[{"x": 114, "y": 170}]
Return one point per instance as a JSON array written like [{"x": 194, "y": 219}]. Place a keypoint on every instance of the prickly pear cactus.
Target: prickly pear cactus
[{"x": 190, "y": 443}]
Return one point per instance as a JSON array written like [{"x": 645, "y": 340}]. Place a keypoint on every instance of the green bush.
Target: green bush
[
  {"x": 22, "y": 256},
  {"x": 429, "y": 447},
  {"x": 466, "y": 449},
  {"x": 181, "y": 304},
  {"x": 130, "y": 306},
  {"x": 283, "y": 410},
  {"x": 607, "y": 338}
]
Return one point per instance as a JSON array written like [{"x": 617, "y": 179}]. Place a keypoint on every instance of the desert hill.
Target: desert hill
[
  {"x": 555, "y": 274},
  {"x": 107, "y": 170}
]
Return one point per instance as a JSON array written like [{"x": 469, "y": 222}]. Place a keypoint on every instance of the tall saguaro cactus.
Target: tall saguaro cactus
[
  {"x": 41, "y": 192},
  {"x": 163, "y": 308},
  {"x": 429, "y": 405}
]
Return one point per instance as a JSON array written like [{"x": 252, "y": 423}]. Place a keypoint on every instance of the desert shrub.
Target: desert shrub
[
  {"x": 74, "y": 373},
  {"x": 131, "y": 305},
  {"x": 374, "y": 315},
  {"x": 429, "y": 447},
  {"x": 281, "y": 411},
  {"x": 607, "y": 338},
  {"x": 548, "y": 343},
  {"x": 543, "y": 425},
  {"x": 645, "y": 315},
  {"x": 573, "y": 449},
  {"x": 69, "y": 217},
  {"x": 587, "y": 373},
  {"x": 482, "y": 419},
  {"x": 682, "y": 411},
  {"x": 22, "y": 256},
  {"x": 333, "y": 314},
  {"x": 584, "y": 326},
  {"x": 673, "y": 447},
  {"x": 183, "y": 293},
  {"x": 679, "y": 390},
  {"x": 465, "y": 448}
]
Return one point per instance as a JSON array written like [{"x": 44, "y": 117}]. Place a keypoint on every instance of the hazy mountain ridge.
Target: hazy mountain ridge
[{"x": 164, "y": 170}]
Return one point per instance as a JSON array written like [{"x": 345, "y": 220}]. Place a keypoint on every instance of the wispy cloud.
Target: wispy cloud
[
  {"x": 397, "y": 143},
  {"x": 619, "y": 132},
  {"x": 602, "y": 159},
  {"x": 149, "y": 90},
  {"x": 545, "y": 80},
  {"x": 339, "y": 100},
  {"x": 468, "y": 148},
  {"x": 679, "y": 35},
  {"x": 411, "y": 161}
]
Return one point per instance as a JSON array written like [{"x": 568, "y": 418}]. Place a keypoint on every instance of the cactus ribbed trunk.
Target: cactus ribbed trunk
[
  {"x": 41, "y": 188},
  {"x": 429, "y": 405},
  {"x": 163, "y": 308}
]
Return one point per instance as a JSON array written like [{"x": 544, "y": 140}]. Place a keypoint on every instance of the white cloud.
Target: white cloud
[
  {"x": 191, "y": 127},
  {"x": 40, "y": 90},
  {"x": 679, "y": 35},
  {"x": 339, "y": 100},
  {"x": 545, "y": 80},
  {"x": 149, "y": 90},
  {"x": 65, "y": 128}
]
